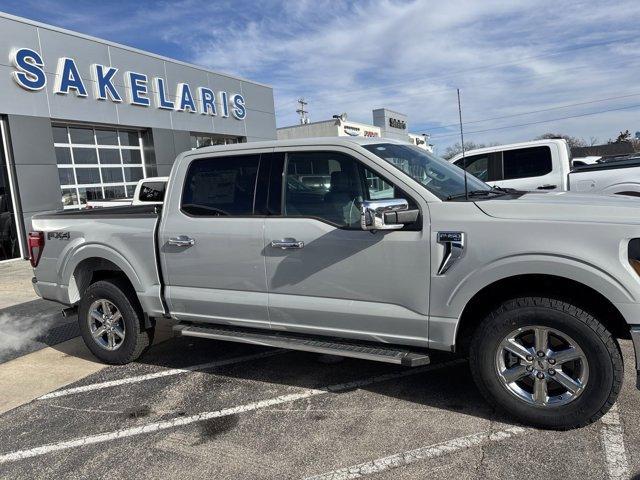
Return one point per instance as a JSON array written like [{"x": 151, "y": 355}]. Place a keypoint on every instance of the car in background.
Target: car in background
[{"x": 546, "y": 165}]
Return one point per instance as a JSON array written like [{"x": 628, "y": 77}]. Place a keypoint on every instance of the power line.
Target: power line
[
  {"x": 531, "y": 112},
  {"x": 628, "y": 107}
]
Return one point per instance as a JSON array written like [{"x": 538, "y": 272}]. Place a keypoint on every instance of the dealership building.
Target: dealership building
[
  {"x": 82, "y": 118},
  {"x": 386, "y": 124}
]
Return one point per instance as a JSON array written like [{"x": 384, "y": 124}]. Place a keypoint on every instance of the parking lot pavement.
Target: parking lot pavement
[{"x": 193, "y": 407}]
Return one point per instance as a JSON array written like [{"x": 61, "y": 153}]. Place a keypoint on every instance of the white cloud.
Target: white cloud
[{"x": 507, "y": 57}]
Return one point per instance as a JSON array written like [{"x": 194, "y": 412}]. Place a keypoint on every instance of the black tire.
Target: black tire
[
  {"x": 136, "y": 339},
  {"x": 605, "y": 366}
]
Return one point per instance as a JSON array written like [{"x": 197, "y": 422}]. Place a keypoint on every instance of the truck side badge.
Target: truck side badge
[{"x": 453, "y": 248}]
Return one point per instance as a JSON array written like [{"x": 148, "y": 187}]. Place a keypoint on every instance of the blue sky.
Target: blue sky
[{"x": 508, "y": 57}]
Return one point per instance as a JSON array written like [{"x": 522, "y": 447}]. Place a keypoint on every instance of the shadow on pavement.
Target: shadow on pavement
[{"x": 448, "y": 388}]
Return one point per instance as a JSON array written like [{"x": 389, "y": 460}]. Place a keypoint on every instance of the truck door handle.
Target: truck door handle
[
  {"x": 287, "y": 244},
  {"x": 547, "y": 187},
  {"x": 181, "y": 241}
]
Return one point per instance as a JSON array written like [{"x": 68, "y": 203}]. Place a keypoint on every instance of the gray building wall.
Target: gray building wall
[
  {"x": 36, "y": 170},
  {"x": 167, "y": 145}
]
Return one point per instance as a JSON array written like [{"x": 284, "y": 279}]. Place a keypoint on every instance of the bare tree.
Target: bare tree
[
  {"x": 622, "y": 137},
  {"x": 572, "y": 141},
  {"x": 452, "y": 150}
]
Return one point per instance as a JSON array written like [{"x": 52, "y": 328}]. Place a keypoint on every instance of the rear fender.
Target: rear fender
[{"x": 100, "y": 251}]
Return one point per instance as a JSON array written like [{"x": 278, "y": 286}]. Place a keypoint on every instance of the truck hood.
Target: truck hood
[{"x": 566, "y": 206}]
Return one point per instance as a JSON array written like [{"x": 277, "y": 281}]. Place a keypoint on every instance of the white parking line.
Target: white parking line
[
  {"x": 181, "y": 421},
  {"x": 163, "y": 373},
  {"x": 615, "y": 454},
  {"x": 412, "y": 456}
]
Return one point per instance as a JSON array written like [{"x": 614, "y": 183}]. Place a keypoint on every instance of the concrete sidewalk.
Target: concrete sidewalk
[
  {"x": 40, "y": 350},
  {"x": 28, "y": 323},
  {"x": 15, "y": 283}
]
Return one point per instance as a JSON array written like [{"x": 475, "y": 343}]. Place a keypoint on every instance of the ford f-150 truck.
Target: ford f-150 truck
[
  {"x": 547, "y": 165},
  {"x": 388, "y": 258}
]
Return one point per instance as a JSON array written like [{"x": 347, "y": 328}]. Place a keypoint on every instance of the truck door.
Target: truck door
[
  {"x": 211, "y": 241},
  {"x": 530, "y": 169},
  {"x": 327, "y": 276}
]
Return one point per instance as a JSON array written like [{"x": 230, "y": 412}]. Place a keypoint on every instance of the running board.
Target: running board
[{"x": 309, "y": 343}]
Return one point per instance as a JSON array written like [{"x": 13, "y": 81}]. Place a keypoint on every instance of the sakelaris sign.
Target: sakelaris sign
[{"x": 29, "y": 74}]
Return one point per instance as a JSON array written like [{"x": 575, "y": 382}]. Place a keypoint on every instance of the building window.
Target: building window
[
  {"x": 97, "y": 163},
  {"x": 199, "y": 140}
]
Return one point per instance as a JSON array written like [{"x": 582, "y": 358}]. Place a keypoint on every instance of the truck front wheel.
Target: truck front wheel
[
  {"x": 546, "y": 362},
  {"x": 110, "y": 322}
]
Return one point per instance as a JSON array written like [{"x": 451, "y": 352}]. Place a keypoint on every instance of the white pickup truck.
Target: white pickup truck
[
  {"x": 149, "y": 191},
  {"x": 547, "y": 165}
]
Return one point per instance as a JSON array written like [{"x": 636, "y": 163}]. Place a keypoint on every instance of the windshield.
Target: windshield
[{"x": 440, "y": 177}]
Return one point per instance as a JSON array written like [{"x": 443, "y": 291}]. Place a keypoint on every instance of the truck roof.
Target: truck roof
[{"x": 343, "y": 141}]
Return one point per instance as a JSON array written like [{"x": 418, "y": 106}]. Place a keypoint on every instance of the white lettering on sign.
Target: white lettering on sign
[{"x": 29, "y": 73}]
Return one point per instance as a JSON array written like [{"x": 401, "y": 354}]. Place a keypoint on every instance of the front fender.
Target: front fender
[
  {"x": 574, "y": 269},
  {"x": 445, "y": 315}
]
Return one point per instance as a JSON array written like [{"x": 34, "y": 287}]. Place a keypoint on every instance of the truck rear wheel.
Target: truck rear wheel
[
  {"x": 546, "y": 362},
  {"x": 111, "y": 322}
]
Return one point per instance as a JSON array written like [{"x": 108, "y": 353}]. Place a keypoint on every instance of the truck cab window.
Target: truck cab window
[
  {"x": 527, "y": 162},
  {"x": 486, "y": 166},
  {"x": 220, "y": 186},
  {"x": 325, "y": 185},
  {"x": 331, "y": 186},
  {"x": 477, "y": 165}
]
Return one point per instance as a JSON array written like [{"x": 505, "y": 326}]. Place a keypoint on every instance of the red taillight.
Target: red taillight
[{"x": 36, "y": 245}]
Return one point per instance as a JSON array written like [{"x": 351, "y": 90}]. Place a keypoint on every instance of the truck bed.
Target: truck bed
[
  {"x": 122, "y": 238},
  {"x": 621, "y": 177},
  {"x": 611, "y": 165},
  {"x": 138, "y": 211}
]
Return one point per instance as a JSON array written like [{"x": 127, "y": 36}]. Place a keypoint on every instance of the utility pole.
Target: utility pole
[{"x": 302, "y": 112}]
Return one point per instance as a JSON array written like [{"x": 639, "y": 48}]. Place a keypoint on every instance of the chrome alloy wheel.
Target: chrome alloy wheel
[
  {"x": 106, "y": 324},
  {"x": 542, "y": 366}
]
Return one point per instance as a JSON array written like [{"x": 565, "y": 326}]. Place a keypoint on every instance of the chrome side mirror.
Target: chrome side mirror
[{"x": 372, "y": 213}]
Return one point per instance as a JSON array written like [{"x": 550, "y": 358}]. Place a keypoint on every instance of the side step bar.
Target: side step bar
[{"x": 309, "y": 343}]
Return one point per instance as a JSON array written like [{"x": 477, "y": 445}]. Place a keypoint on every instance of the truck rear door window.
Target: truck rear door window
[
  {"x": 527, "y": 162},
  {"x": 152, "y": 191},
  {"x": 221, "y": 186}
]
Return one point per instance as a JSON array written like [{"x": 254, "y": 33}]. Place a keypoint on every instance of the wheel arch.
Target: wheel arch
[
  {"x": 547, "y": 285},
  {"x": 92, "y": 263}
]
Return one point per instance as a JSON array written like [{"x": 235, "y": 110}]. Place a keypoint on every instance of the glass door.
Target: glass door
[{"x": 9, "y": 226}]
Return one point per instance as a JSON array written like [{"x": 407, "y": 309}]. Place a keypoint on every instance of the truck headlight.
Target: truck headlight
[{"x": 634, "y": 254}]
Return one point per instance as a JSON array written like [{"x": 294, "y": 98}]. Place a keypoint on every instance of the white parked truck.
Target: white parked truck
[{"x": 546, "y": 165}]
